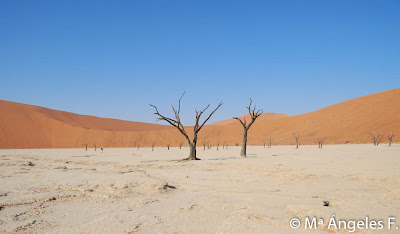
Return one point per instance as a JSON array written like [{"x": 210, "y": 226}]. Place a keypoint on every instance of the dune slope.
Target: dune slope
[{"x": 27, "y": 126}]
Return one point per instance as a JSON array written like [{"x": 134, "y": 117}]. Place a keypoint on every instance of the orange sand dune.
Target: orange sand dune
[
  {"x": 264, "y": 116},
  {"x": 26, "y": 126}
]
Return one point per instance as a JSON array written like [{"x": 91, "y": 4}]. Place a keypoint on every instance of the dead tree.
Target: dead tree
[
  {"x": 95, "y": 147},
  {"x": 217, "y": 143},
  {"x": 86, "y": 145},
  {"x": 270, "y": 141},
  {"x": 376, "y": 138},
  {"x": 390, "y": 137},
  {"x": 176, "y": 122},
  {"x": 297, "y": 138},
  {"x": 265, "y": 142},
  {"x": 320, "y": 142},
  {"x": 168, "y": 144},
  {"x": 204, "y": 143},
  {"x": 253, "y": 115},
  {"x": 180, "y": 145},
  {"x": 152, "y": 145}
]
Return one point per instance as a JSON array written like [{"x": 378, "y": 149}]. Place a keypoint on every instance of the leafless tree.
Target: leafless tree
[
  {"x": 297, "y": 138},
  {"x": 180, "y": 144},
  {"x": 217, "y": 143},
  {"x": 270, "y": 141},
  {"x": 320, "y": 142},
  {"x": 375, "y": 137},
  {"x": 168, "y": 145},
  {"x": 86, "y": 145},
  {"x": 176, "y": 122},
  {"x": 95, "y": 147},
  {"x": 390, "y": 137},
  {"x": 204, "y": 143},
  {"x": 153, "y": 143},
  {"x": 253, "y": 115}
]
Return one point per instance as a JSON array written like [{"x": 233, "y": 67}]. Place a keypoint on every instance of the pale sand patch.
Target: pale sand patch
[{"x": 144, "y": 191}]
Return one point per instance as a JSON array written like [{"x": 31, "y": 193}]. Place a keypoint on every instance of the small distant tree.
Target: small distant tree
[
  {"x": 320, "y": 142},
  {"x": 180, "y": 145},
  {"x": 217, "y": 143},
  {"x": 86, "y": 145},
  {"x": 152, "y": 145},
  {"x": 204, "y": 143},
  {"x": 297, "y": 138},
  {"x": 253, "y": 115},
  {"x": 390, "y": 136},
  {"x": 270, "y": 141},
  {"x": 95, "y": 147},
  {"x": 375, "y": 137},
  {"x": 176, "y": 122}
]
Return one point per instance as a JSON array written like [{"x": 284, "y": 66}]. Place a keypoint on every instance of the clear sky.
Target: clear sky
[{"x": 113, "y": 58}]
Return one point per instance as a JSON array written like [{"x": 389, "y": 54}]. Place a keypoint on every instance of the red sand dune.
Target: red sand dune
[
  {"x": 264, "y": 116},
  {"x": 27, "y": 126}
]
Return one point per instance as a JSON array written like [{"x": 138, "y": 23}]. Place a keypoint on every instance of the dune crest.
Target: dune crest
[{"x": 27, "y": 126}]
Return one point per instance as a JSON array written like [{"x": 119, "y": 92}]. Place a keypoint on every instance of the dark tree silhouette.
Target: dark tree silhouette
[
  {"x": 95, "y": 147},
  {"x": 204, "y": 143},
  {"x": 86, "y": 145},
  {"x": 375, "y": 137},
  {"x": 297, "y": 138},
  {"x": 176, "y": 122},
  {"x": 253, "y": 115},
  {"x": 390, "y": 137},
  {"x": 152, "y": 145},
  {"x": 320, "y": 142},
  {"x": 270, "y": 141}
]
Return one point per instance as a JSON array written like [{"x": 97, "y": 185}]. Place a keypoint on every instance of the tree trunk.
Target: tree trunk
[
  {"x": 192, "y": 155},
  {"x": 243, "y": 152},
  {"x": 390, "y": 142}
]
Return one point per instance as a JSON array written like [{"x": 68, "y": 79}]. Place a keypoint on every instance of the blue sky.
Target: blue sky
[{"x": 113, "y": 58}]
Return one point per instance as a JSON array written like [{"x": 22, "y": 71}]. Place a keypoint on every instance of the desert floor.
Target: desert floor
[{"x": 129, "y": 190}]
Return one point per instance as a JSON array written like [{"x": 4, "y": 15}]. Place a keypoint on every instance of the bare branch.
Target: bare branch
[{"x": 209, "y": 116}]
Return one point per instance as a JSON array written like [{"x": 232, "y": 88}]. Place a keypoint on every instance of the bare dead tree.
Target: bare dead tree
[
  {"x": 95, "y": 147},
  {"x": 265, "y": 142},
  {"x": 375, "y": 137},
  {"x": 152, "y": 145},
  {"x": 180, "y": 145},
  {"x": 270, "y": 141},
  {"x": 253, "y": 115},
  {"x": 176, "y": 122},
  {"x": 390, "y": 137},
  {"x": 168, "y": 144},
  {"x": 204, "y": 143},
  {"x": 86, "y": 145},
  {"x": 320, "y": 142},
  {"x": 297, "y": 138},
  {"x": 217, "y": 143}
]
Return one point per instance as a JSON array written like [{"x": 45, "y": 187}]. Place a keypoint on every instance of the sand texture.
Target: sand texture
[{"x": 128, "y": 190}]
